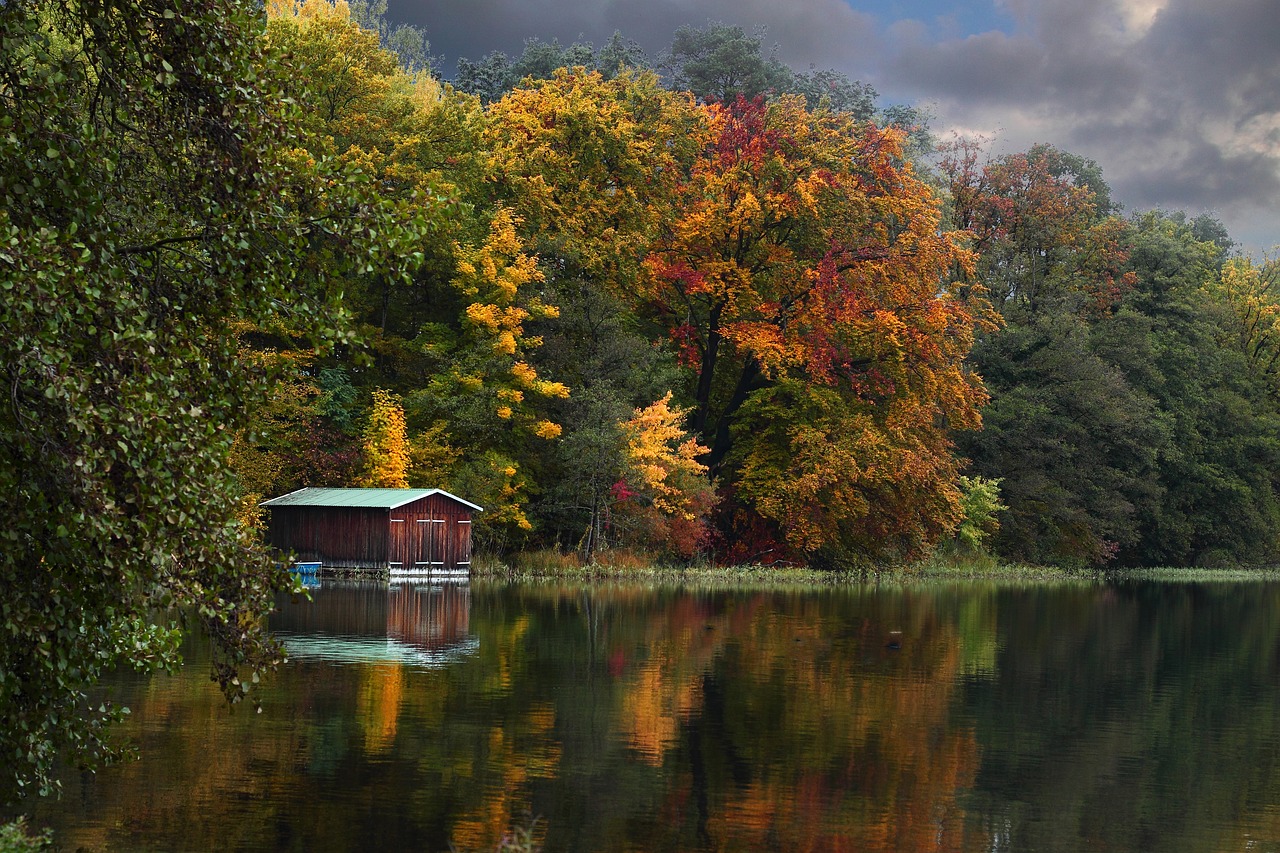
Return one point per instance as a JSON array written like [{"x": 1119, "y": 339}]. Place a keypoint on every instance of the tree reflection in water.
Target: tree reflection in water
[{"x": 1042, "y": 718}]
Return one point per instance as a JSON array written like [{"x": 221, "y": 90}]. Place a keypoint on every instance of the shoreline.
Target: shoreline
[{"x": 906, "y": 575}]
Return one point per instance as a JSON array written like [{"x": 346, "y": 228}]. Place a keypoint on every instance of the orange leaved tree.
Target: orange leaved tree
[{"x": 805, "y": 272}]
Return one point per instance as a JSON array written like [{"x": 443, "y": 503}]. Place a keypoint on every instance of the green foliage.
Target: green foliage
[
  {"x": 14, "y": 838},
  {"x": 151, "y": 204},
  {"x": 1132, "y": 418},
  {"x": 497, "y": 74},
  {"x": 980, "y": 504},
  {"x": 721, "y": 63},
  {"x": 596, "y": 347},
  {"x": 1075, "y": 445},
  {"x": 408, "y": 43},
  {"x": 1221, "y": 493},
  {"x": 339, "y": 397}
]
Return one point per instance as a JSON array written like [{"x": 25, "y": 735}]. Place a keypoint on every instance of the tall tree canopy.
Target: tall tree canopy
[
  {"x": 1131, "y": 419},
  {"x": 769, "y": 243}
]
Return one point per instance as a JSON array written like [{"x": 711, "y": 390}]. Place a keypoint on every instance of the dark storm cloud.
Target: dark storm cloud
[
  {"x": 1178, "y": 100},
  {"x": 827, "y": 33}
]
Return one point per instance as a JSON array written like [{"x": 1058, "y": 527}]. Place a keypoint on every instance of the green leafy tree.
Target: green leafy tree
[
  {"x": 722, "y": 63},
  {"x": 300, "y": 435},
  {"x": 596, "y": 347},
  {"x": 14, "y": 838},
  {"x": 151, "y": 204},
  {"x": 407, "y": 42},
  {"x": 1220, "y": 493},
  {"x": 497, "y": 73},
  {"x": 980, "y": 503},
  {"x": 1075, "y": 445}
]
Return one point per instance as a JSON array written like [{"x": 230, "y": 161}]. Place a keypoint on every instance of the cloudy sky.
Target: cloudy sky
[{"x": 1178, "y": 100}]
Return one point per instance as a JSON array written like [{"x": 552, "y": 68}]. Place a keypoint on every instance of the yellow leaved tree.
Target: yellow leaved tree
[
  {"x": 663, "y": 500},
  {"x": 1252, "y": 291},
  {"x": 451, "y": 341},
  {"x": 386, "y": 447}
]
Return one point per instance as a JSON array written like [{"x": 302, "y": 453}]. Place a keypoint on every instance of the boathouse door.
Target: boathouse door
[
  {"x": 429, "y": 543},
  {"x": 399, "y": 546},
  {"x": 464, "y": 543}
]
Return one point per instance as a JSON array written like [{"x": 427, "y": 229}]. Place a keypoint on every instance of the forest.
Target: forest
[{"x": 711, "y": 307}]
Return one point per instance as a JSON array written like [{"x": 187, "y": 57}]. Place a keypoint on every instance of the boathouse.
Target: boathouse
[{"x": 405, "y": 530}]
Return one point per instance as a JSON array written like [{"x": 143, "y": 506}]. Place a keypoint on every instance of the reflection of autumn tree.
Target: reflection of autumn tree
[
  {"x": 218, "y": 786},
  {"x": 378, "y": 705},
  {"x": 856, "y": 760},
  {"x": 518, "y": 746},
  {"x": 635, "y": 718},
  {"x": 789, "y": 720},
  {"x": 518, "y": 755},
  {"x": 662, "y": 688}
]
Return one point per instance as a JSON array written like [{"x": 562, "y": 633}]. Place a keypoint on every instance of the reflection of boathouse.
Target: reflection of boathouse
[
  {"x": 396, "y": 529},
  {"x": 351, "y": 622}
]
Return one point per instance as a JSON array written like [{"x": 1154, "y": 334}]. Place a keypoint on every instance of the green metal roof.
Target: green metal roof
[{"x": 370, "y": 498}]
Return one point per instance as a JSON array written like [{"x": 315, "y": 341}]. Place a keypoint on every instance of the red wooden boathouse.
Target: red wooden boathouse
[{"x": 395, "y": 529}]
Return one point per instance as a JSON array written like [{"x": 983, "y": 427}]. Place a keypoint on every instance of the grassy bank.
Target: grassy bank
[
  {"x": 543, "y": 567},
  {"x": 625, "y": 566}
]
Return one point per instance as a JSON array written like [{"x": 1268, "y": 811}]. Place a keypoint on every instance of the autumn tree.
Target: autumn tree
[
  {"x": 386, "y": 448},
  {"x": 1075, "y": 443},
  {"x": 590, "y": 165},
  {"x": 1133, "y": 418},
  {"x": 477, "y": 382},
  {"x": 1252, "y": 292},
  {"x": 805, "y": 263},
  {"x": 1042, "y": 226},
  {"x": 450, "y": 340},
  {"x": 153, "y": 203},
  {"x": 665, "y": 494}
]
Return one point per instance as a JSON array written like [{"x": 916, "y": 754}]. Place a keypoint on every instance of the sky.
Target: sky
[{"x": 1177, "y": 100}]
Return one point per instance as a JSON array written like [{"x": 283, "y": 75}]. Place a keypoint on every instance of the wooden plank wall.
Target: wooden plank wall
[{"x": 348, "y": 537}]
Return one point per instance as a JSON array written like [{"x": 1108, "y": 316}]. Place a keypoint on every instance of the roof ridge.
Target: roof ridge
[{"x": 391, "y": 497}]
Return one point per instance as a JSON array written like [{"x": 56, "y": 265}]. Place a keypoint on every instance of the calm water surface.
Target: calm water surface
[{"x": 416, "y": 717}]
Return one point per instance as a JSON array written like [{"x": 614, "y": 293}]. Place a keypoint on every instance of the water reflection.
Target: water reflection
[
  {"x": 410, "y": 623},
  {"x": 969, "y": 718}
]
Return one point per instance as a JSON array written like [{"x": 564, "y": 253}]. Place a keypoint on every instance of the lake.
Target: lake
[{"x": 416, "y": 717}]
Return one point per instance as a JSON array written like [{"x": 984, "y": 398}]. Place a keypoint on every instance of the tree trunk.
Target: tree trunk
[{"x": 748, "y": 381}]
